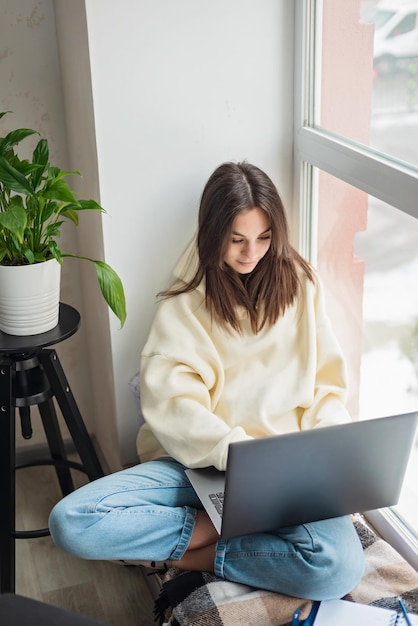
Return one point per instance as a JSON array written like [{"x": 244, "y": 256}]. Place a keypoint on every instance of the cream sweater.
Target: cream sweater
[{"x": 203, "y": 387}]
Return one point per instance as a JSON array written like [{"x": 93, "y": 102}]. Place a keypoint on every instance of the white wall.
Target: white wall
[{"x": 178, "y": 88}]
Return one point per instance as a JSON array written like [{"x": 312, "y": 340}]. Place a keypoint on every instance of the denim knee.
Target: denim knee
[
  {"x": 335, "y": 567},
  {"x": 65, "y": 532},
  {"x": 318, "y": 561},
  {"x": 146, "y": 512}
]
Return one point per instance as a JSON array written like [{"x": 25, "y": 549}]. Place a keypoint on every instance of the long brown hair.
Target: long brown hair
[{"x": 274, "y": 283}]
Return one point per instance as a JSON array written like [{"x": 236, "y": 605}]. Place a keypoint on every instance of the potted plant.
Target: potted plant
[{"x": 35, "y": 201}]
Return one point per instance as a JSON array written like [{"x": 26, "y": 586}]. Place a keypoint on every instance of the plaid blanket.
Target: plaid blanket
[{"x": 202, "y": 599}]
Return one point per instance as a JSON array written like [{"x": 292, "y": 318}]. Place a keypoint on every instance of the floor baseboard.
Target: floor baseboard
[{"x": 30, "y": 454}]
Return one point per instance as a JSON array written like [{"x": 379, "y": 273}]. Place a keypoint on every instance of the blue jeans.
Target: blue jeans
[{"x": 148, "y": 512}]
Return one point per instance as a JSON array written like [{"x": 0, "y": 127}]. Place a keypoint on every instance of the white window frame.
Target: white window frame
[{"x": 392, "y": 181}]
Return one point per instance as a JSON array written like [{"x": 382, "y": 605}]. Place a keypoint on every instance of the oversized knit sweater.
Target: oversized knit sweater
[{"x": 203, "y": 387}]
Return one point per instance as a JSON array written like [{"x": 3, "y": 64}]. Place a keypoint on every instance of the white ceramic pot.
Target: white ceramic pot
[{"x": 29, "y": 297}]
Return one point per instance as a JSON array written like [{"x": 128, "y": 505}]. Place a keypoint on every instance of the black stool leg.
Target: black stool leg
[
  {"x": 56, "y": 445},
  {"x": 7, "y": 478},
  {"x": 25, "y": 422},
  {"x": 78, "y": 431}
]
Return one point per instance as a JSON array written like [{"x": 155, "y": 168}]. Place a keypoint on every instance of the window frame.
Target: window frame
[{"x": 391, "y": 180}]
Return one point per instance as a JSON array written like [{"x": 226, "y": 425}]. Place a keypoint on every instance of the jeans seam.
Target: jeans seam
[
  {"x": 308, "y": 554},
  {"x": 220, "y": 552},
  {"x": 186, "y": 534}
]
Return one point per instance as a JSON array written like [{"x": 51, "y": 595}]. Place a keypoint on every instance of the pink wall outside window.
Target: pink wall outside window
[{"x": 346, "y": 91}]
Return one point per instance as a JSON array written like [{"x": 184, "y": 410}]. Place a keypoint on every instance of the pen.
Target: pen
[
  {"x": 311, "y": 617},
  {"x": 404, "y": 611},
  {"x": 295, "y": 618}
]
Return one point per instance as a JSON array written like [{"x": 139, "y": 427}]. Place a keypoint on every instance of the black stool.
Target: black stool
[{"x": 29, "y": 375}]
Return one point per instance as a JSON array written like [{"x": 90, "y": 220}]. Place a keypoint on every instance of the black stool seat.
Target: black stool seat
[{"x": 31, "y": 375}]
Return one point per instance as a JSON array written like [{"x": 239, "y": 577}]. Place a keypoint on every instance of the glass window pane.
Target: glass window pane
[
  {"x": 389, "y": 364},
  {"x": 389, "y": 249},
  {"x": 368, "y": 259},
  {"x": 369, "y": 74}
]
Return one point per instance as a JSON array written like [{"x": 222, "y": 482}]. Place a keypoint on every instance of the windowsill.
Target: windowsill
[{"x": 388, "y": 525}]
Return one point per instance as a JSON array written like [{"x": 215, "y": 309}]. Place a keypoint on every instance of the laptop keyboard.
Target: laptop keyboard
[{"x": 218, "y": 501}]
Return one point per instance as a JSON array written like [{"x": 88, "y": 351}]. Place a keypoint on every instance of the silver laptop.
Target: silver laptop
[{"x": 306, "y": 476}]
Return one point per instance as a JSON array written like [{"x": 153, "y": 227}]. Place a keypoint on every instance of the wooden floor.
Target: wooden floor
[{"x": 113, "y": 594}]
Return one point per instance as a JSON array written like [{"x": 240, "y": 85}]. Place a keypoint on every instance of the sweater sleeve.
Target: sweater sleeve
[
  {"x": 181, "y": 378},
  {"x": 330, "y": 390},
  {"x": 176, "y": 406}
]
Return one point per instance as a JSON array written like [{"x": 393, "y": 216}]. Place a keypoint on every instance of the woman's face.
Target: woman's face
[{"x": 249, "y": 240}]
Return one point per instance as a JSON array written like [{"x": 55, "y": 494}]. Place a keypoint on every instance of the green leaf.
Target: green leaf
[
  {"x": 40, "y": 157},
  {"x": 53, "y": 230},
  {"x": 110, "y": 286},
  {"x": 58, "y": 190},
  {"x": 30, "y": 256},
  {"x": 15, "y": 219},
  {"x": 55, "y": 172},
  {"x": 15, "y": 137},
  {"x": 41, "y": 152},
  {"x": 34, "y": 206},
  {"x": 49, "y": 208},
  {"x": 12, "y": 178},
  {"x": 55, "y": 250},
  {"x": 112, "y": 289},
  {"x": 90, "y": 205},
  {"x": 24, "y": 167},
  {"x": 16, "y": 201},
  {"x": 69, "y": 212}
]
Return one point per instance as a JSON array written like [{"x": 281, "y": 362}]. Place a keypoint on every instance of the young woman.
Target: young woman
[{"x": 240, "y": 347}]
